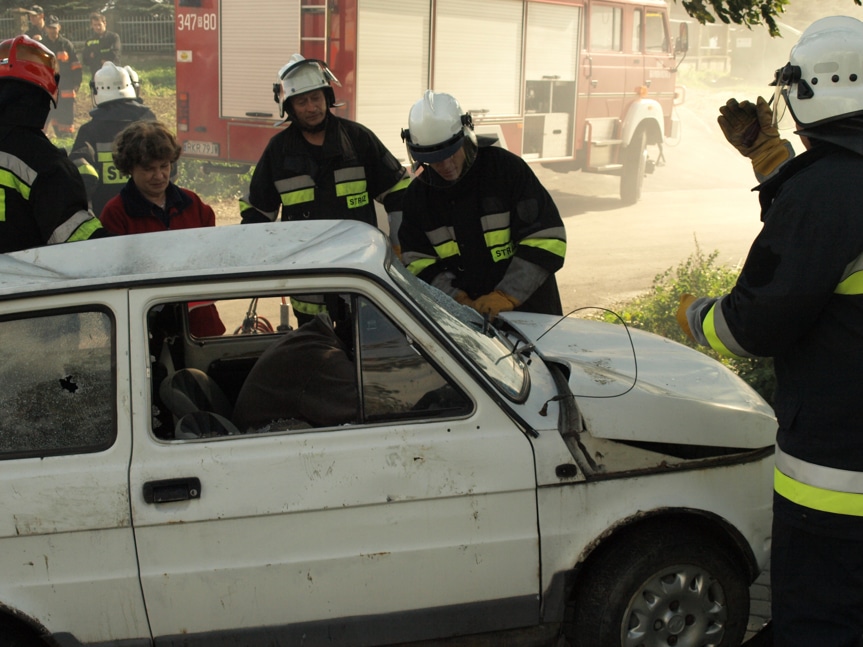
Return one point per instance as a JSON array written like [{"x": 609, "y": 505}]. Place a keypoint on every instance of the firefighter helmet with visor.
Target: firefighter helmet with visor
[
  {"x": 437, "y": 128},
  {"x": 300, "y": 75},
  {"x": 823, "y": 79},
  {"x": 28, "y": 60},
  {"x": 112, "y": 82}
]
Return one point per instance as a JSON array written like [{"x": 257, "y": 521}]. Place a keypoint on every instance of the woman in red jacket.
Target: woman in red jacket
[
  {"x": 145, "y": 151},
  {"x": 150, "y": 201}
]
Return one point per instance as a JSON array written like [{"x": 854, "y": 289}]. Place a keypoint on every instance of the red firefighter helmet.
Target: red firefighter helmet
[{"x": 30, "y": 61}]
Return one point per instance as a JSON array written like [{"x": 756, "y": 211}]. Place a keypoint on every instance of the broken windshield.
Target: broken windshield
[{"x": 478, "y": 339}]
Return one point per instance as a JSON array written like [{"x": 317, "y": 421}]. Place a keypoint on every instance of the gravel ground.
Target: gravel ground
[{"x": 227, "y": 211}]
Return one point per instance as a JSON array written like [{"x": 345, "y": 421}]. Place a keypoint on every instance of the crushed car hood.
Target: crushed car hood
[{"x": 636, "y": 386}]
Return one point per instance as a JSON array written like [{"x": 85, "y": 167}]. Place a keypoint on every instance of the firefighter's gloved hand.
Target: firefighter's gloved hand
[
  {"x": 686, "y": 300},
  {"x": 744, "y": 127},
  {"x": 462, "y": 298},
  {"x": 749, "y": 128},
  {"x": 494, "y": 303}
]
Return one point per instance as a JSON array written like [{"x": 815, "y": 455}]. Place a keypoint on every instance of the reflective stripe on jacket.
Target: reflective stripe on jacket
[
  {"x": 818, "y": 487},
  {"x": 42, "y": 198},
  {"x": 339, "y": 180},
  {"x": 496, "y": 228},
  {"x": 91, "y": 152},
  {"x": 799, "y": 300}
]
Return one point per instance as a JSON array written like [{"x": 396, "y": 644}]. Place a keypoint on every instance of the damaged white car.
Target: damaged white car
[{"x": 543, "y": 479}]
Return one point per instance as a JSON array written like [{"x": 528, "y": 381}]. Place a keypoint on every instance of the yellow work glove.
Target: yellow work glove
[
  {"x": 685, "y": 301},
  {"x": 493, "y": 303},
  {"x": 462, "y": 298},
  {"x": 749, "y": 128}
]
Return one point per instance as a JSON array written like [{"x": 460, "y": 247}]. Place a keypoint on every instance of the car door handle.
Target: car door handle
[{"x": 170, "y": 490}]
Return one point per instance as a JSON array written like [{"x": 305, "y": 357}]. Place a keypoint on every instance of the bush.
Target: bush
[
  {"x": 656, "y": 310},
  {"x": 214, "y": 180}
]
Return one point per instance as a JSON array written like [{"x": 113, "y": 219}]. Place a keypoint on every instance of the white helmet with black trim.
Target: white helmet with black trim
[
  {"x": 300, "y": 75},
  {"x": 112, "y": 82},
  {"x": 437, "y": 128},
  {"x": 823, "y": 80}
]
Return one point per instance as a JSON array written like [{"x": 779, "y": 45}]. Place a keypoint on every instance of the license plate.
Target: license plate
[{"x": 205, "y": 149}]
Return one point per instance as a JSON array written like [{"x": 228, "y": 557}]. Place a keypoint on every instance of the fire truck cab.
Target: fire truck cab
[{"x": 572, "y": 84}]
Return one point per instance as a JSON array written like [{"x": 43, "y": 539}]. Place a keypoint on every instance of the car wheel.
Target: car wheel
[
  {"x": 12, "y": 634},
  {"x": 634, "y": 164},
  {"x": 662, "y": 586}
]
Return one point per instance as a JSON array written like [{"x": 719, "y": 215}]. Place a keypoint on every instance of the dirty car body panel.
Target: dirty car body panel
[{"x": 486, "y": 470}]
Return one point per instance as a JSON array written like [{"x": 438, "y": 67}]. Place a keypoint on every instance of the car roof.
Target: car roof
[{"x": 202, "y": 252}]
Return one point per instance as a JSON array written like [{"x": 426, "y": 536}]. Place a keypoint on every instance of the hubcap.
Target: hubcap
[{"x": 681, "y": 606}]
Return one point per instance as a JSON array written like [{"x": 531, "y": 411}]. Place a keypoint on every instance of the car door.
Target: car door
[
  {"x": 66, "y": 547},
  {"x": 412, "y": 525}
]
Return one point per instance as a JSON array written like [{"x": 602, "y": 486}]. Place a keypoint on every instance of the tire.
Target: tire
[
  {"x": 662, "y": 586},
  {"x": 13, "y": 634},
  {"x": 763, "y": 638},
  {"x": 634, "y": 158}
]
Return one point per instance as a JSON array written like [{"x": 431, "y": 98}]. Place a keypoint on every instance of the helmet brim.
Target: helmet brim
[{"x": 437, "y": 152}]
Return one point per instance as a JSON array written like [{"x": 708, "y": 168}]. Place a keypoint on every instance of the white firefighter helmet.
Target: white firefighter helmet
[
  {"x": 300, "y": 75},
  {"x": 437, "y": 128},
  {"x": 823, "y": 80},
  {"x": 111, "y": 82}
]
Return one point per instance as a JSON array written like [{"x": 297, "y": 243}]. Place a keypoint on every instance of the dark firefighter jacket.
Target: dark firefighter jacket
[
  {"x": 799, "y": 299},
  {"x": 98, "y": 49},
  {"x": 71, "y": 71},
  {"x": 495, "y": 228},
  {"x": 338, "y": 181},
  {"x": 42, "y": 198},
  {"x": 306, "y": 376},
  {"x": 91, "y": 152}
]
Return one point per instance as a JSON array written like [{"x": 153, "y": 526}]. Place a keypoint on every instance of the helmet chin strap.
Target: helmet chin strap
[
  {"x": 433, "y": 178},
  {"x": 317, "y": 128}
]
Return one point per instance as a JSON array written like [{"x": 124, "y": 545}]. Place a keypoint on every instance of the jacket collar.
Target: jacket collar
[
  {"x": 336, "y": 141},
  {"x": 768, "y": 189},
  {"x": 137, "y": 206},
  {"x": 121, "y": 110}
]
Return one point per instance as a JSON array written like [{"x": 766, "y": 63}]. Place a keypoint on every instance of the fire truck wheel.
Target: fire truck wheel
[{"x": 634, "y": 162}]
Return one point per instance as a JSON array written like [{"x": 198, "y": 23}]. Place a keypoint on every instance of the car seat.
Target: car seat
[{"x": 199, "y": 406}]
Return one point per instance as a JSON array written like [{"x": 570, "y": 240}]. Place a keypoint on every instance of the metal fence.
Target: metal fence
[
  {"x": 146, "y": 34},
  {"x": 137, "y": 33}
]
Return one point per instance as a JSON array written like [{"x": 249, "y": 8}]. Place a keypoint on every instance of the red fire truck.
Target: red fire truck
[{"x": 570, "y": 84}]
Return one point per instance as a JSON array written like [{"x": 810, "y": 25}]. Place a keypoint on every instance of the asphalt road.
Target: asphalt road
[{"x": 701, "y": 195}]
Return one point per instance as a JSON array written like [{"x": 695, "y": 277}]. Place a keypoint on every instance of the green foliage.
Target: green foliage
[
  {"x": 214, "y": 180},
  {"x": 742, "y": 12},
  {"x": 157, "y": 72},
  {"x": 656, "y": 310}
]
